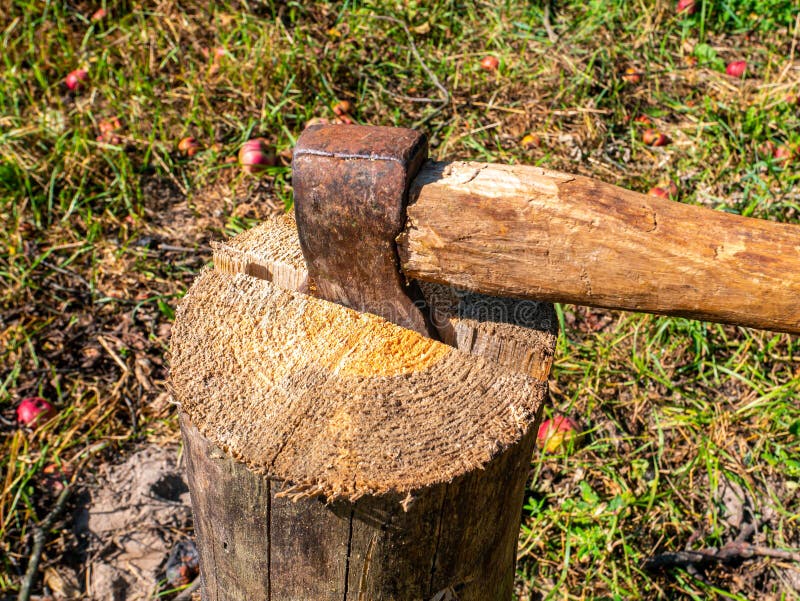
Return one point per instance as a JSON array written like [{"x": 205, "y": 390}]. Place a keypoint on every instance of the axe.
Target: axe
[{"x": 373, "y": 215}]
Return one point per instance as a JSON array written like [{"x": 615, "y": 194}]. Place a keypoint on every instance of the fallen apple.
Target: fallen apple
[
  {"x": 56, "y": 476},
  {"x": 189, "y": 146},
  {"x": 632, "y": 75},
  {"x": 688, "y": 7},
  {"x": 255, "y": 156},
  {"x": 98, "y": 15},
  {"x": 32, "y": 410},
  {"x": 344, "y": 107},
  {"x": 782, "y": 155},
  {"x": 736, "y": 68},
  {"x": 77, "y": 79},
  {"x": 109, "y": 130},
  {"x": 490, "y": 63},
  {"x": 654, "y": 138},
  {"x": 530, "y": 141},
  {"x": 557, "y": 433},
  {"x": 669, "y": 191}
]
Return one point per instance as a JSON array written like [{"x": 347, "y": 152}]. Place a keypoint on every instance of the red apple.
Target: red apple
[
  {"x": 109, "y": 129},
  {"x": 77, "y": 79},
  {"x": 669, "y": 192},
  {"x": 98, "y": 15},
  {"x": 688, "y": 7},
  {"x": 255, "y": 156},
  {"x": 32, "y": 410},
  {"x": 736, "y": 68},
  {"x": 632, "y": 75},
  {"x": 189, "y": 146},
  {"x": 556, "y": 433},
  {"x": 782, "y": 155},
  {"x": 654, "y": 138},
  {"x": 55, "y": 476},
  {"x": 490, "y": 63},
  {"x": 344, "y": 107}
]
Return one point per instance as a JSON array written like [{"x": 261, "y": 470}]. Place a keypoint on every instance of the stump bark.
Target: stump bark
[{"x": 334, "y": 455}]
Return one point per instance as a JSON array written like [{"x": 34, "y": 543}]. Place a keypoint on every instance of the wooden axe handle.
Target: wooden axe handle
[{"x": 525, "y": 232}]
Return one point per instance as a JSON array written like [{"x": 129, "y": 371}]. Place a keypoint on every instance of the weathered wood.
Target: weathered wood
[
  {"x": 454, "y": 537},
  {"x": 455, "y": 540},
  {"x": 526, "y": 232}
]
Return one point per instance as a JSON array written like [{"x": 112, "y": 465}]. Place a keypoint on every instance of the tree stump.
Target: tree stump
[{"x": 334, "y": 455}]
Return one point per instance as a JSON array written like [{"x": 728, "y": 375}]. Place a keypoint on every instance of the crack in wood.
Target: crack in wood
[
  {"x": 438, "y": 538},
  {"x": 269, "y": 540},
  {"x": 349, "y": 551}
]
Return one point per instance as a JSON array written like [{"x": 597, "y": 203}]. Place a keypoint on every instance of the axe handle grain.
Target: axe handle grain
[{"x": 522, "y": 231}]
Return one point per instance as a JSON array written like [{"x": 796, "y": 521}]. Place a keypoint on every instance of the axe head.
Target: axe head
[{"x": 350, "y": 193}]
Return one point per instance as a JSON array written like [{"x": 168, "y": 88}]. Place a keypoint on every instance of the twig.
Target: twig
[
  {"x": 731, "y": 552},
  {"x": 69, "y": 273},
  {"x": 551, "y": 35},
  {"x": 168, "y": 171},
  {"x": 171, "y": 248},
  {"x": 39, "y": 536},
  {"x": 113, "y": 355},
  {"x": 477, "y": 130},
  {"x": 186, "y": 594}
]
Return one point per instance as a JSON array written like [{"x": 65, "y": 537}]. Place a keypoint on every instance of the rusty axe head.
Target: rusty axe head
[{"x": 350, "y": 190}]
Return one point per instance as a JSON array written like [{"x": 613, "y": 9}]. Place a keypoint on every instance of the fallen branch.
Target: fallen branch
[
  {"x": 732, "y": 552},
  {"x": 39, "y": 538}
]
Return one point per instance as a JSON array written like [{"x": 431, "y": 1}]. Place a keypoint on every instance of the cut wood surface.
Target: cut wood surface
[
  {"x": 270, "y": 251},
  {"x": 263, "y": 535},
  {"x": 340, "y": 403},
  {"x": 525, "y": 232}
]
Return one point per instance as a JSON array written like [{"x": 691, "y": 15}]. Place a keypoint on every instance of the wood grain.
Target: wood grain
[{"x": 524, "y": 232}]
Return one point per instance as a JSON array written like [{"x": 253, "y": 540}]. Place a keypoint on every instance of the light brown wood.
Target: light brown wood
[
  {"x": 521, "y": 231},
  {"x": 340, "y": 403},
  {"x": 262, "y": 533}
]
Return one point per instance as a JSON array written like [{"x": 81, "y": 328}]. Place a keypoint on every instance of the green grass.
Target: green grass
[{"x": 672, "y": 408}]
